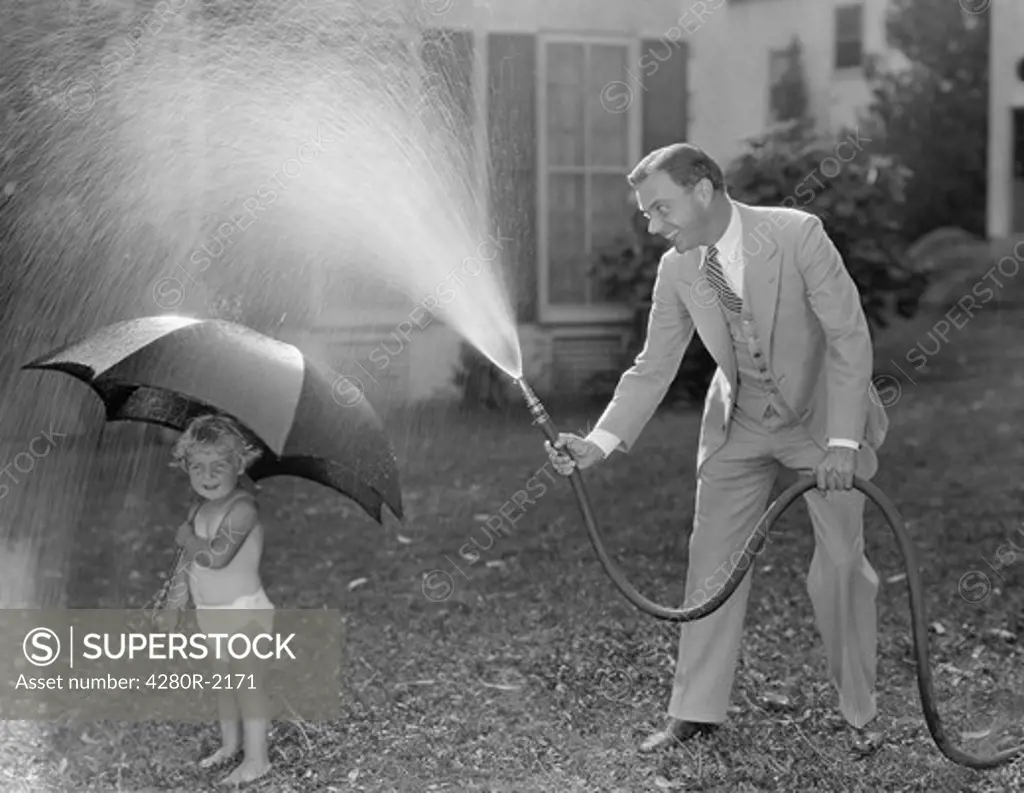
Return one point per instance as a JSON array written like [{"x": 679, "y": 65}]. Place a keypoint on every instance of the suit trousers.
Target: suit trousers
[{"x": 733, "y": 489}]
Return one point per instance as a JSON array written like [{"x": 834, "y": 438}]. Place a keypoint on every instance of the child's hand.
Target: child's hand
[{"x": 185, "y": 533}]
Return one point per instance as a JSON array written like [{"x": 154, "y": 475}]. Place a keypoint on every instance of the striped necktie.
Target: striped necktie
[{"x": 716, "y": 278}]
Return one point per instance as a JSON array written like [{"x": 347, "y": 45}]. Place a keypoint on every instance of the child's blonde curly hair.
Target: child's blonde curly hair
[{"x": 220, "y": 432}]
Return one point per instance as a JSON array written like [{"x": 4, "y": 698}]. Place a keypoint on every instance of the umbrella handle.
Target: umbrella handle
[{"x": 160, "y": 599}]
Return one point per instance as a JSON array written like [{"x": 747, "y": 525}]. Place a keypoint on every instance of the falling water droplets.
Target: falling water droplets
[{"x": 222, "y": 162}]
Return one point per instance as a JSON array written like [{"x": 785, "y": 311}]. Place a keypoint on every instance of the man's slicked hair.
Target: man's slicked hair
[{"x": 685, "y": 164}]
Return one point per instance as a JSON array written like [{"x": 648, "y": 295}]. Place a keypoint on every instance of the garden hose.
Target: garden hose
[{"x": 753, "y": 546}]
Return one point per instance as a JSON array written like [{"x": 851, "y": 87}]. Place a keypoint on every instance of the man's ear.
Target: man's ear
[{"x": 705, "y": 192}]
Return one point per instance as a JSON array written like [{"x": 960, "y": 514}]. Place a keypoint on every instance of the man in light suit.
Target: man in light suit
[{"x": 774, "y": 305}]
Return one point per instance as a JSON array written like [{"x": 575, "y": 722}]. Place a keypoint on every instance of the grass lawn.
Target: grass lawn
[{"x": 534, "y": 674}]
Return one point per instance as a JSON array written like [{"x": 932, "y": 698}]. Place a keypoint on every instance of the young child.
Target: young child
[{"x": 223, "y": 542}]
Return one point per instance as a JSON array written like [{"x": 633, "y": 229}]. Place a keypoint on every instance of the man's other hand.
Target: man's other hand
[
  {"x": 572, "y": 451},
  {"x": 836, "y": 470}
]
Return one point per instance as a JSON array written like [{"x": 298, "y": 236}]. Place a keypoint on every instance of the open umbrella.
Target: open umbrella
[{"x": 169, "y": 369}]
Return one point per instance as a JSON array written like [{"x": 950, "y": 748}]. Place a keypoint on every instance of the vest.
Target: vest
[
  {"x": 242, "y": 566},
  {"x": 758, "y": 395}
]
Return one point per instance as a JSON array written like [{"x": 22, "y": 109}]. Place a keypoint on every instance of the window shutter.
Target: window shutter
[
  {"x": 664, "y": 67},
  {"x": 512, "y": 142}
]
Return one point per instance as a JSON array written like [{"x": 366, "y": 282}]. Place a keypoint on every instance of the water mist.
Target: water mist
[{"x": 210, "y": 157}]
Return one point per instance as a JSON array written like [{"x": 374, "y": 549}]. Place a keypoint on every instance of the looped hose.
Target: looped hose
[{"x": 711, "y": 602}]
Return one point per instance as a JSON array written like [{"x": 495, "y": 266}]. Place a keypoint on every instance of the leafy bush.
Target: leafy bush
[
  {"x": 482, "y": 383},
  {"x": 861, "y": 202}
]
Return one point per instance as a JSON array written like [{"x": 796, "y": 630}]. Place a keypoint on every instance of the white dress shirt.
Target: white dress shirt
[{"x": 730, "y": 256}]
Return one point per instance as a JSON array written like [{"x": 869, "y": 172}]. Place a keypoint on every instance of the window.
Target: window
[
  {"x": 849, "y": 36},
  {"x": 787, "y": 90},
  {"x": 589, "y": 136},
  {"x": 778, "y": 65}
]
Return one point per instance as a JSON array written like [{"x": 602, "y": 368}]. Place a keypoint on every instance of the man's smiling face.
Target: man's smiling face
[{"x": 677, "y": 213}]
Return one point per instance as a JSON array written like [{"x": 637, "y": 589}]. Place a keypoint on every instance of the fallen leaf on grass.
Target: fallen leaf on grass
[
  {"x": 403, "y": 539},
  {"x": 353, "y": 775},
  {"x": 776, "y": 701},
  {"x": 355, "y": 584},
  {"x": 500, "y": 686},
  {"x": 956, "y": 672},
  {"x": 938, "y": 627},
  {"x": 1005, "y": 635},
  {"x": 895, "y": 579},
  {"x": 868, "y": 744}
]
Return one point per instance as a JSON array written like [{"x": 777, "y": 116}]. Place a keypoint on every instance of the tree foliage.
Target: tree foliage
[
  {"x": 861, "y": 202},
  {"x": 933, "y": 111}
]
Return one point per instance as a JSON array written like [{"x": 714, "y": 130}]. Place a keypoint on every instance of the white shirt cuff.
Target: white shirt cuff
[
  {"x": 844, "y": 442},
  {"x": 604, "y": 440}
]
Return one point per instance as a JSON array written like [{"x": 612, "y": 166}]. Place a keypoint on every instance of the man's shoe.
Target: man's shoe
[
  {"x": 675, "y": 733},
  {"x": 866, "y": 742},
  {"x": 863, "y": 741}
]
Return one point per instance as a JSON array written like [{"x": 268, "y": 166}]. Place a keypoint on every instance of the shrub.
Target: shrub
[
  {"x": 862, "y": 206},
  {"x": 482, "y": 383}
]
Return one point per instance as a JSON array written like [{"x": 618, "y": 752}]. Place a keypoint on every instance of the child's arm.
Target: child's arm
[{"x": 232, "y": 532}]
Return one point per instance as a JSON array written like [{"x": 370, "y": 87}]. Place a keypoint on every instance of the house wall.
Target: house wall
[
  {"x": 1005, "y": 213},
  {"x": 390, "y": 369},
  {"x": 730, "y": 66},
  {"x": 724, "y": 99}
]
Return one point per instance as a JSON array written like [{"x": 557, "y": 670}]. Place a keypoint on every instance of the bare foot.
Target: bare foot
[
  {"x": 249, "y": 771},
  {"x": 222, "y": 755}
]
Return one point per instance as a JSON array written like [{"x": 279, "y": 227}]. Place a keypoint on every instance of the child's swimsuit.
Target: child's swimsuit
[{"x": 218, "y": 618}]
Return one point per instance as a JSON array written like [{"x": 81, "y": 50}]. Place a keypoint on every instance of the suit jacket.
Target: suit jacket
[{"x": 809, "y": 317}]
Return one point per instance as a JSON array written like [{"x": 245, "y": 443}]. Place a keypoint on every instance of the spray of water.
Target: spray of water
[
  {"x": 164, "y": 160},
  {"x": 240, "y": 154}
]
